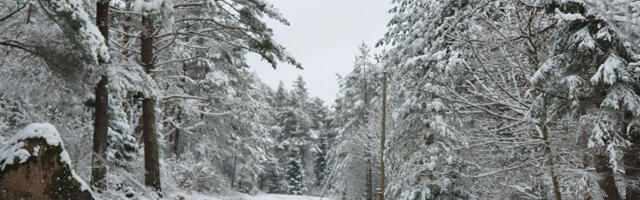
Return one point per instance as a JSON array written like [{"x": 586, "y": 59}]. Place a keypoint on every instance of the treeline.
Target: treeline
[
  {"x": 154, "y": 98},
  {"x": 496, "y": 99}
]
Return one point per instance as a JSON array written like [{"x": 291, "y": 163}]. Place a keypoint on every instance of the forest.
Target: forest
[{"x": 460, "y": 99}]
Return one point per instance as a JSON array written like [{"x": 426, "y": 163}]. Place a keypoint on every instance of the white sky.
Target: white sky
[{"x": 324, "y": 36}]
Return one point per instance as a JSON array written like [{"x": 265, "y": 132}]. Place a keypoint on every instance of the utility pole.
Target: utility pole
[{"x": 383, "y": 135}]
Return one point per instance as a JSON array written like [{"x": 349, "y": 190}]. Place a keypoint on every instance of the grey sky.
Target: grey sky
[{"x": 324, "y": 36}]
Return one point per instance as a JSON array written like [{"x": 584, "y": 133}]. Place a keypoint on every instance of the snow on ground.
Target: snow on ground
[
  {"x": 285, "y": 197},
  {"x": 256, "y": 197}
]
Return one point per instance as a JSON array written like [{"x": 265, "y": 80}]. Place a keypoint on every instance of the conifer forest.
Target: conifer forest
[{"x": 454, "y": 99}]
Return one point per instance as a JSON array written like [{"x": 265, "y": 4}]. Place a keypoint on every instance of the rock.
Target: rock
[{"x": 35, "y": 165}]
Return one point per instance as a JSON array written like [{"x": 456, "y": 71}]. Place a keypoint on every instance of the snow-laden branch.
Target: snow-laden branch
[
  {"x": 215, "y": 114},
  {"x": 503, "y": 169},
  {"x": 184, "y": 97},
  {"x": 14, "y": 12},
  {"x": 178, "y": 60},
  {"x": 123, "y": 47}
]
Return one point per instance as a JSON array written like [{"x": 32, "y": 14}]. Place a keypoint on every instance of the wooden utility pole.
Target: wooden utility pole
[{"x": 383, "y": 135}]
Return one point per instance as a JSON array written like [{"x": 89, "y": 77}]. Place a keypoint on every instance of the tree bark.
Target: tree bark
[
  {"x": 151, "y": 159},
  {"x": 585, "y": 166},
  {"x": 176, "y": 136},
  {"x": 233, "y": 173},
  {"x": 101, "y": 116},
  {"x": 547, "y": 151},
  {"x": 606, "y": 179},
  {"x": 368, "y": 182},
  {"x": 632, "y": 167},
  {"x": 100, "y": 130},
  {"x": 383, "y": 134},
  {"x": 550, "y": 163},
  {"x": 631, "y": 159}
]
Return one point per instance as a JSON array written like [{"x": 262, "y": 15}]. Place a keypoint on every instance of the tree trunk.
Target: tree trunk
[
  {"x": 102, "y": 18},
  {"x": 100, "y": 130},
  {"x": 302, "y": 156},
  {"x": 631, "y": 159},
  {"x": 585, "y": 165},
  {"x": 151, "y": 159},
  {"x": 606, "y": 179},
  {"x": 369, "y": 183},
  {"x": 550, "y": 163},
  {"x": 101, "y": 116},
  {"x": 383, "y": 134},
  {"x": 233, "y": 173},
  {"x": 176, "y": 135}
]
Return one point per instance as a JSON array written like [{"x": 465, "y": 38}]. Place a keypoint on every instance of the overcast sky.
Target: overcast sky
[{"x": 324, "y": 36}]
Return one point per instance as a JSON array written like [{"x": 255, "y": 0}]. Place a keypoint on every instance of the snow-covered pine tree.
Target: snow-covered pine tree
[
  {"x": 588, "y": 76},
  {"x": 210, "y": 105},
  {"x": 356, "y": 145},
  {"x": 280, "y": 98},
  {"x": 292, "y": 140},
  {"x": 271, "y": 179},
  {"x": 294, "y": 174},
  {"x": 617, "y": 14},
  {"x": 201, "y": 47},
  {"x": 299, "y": 93},
  {"x": 320, "y": 162},
  {"x": 421, "y": 157}
]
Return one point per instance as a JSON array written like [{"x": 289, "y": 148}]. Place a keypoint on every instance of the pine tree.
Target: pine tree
[
  {"x": 101, "y": 118},
  {"x": 320, "y": 167},
  {"x": 299, "y": 93},
  {"x": 123, "y": 146},
  {"x": 281, "y": 96},
  {"x": 425, "y": 130},
  {"x": 356, "y": 145},
  {"x": 294, "y": 175},
  {"x": 271, "y": 179},
  {"x": 149, "y": 121},
  {"x": 588, "y": 75}
]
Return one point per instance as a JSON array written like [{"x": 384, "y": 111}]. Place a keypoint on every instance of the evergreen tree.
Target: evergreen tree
[
  {"x": 320, "y": 167},
  {"x": 588, "y": 74},
  {"x": 271, "y": 179},
  {"x": 281, "y": 96},
  {"x": 299, "y": 93},
  {"x": 357, "y": 126},
  {"x": 123, "y": 145},
  {"x": 294, "y": 175},
  {"x": 425, "y": 131}
]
